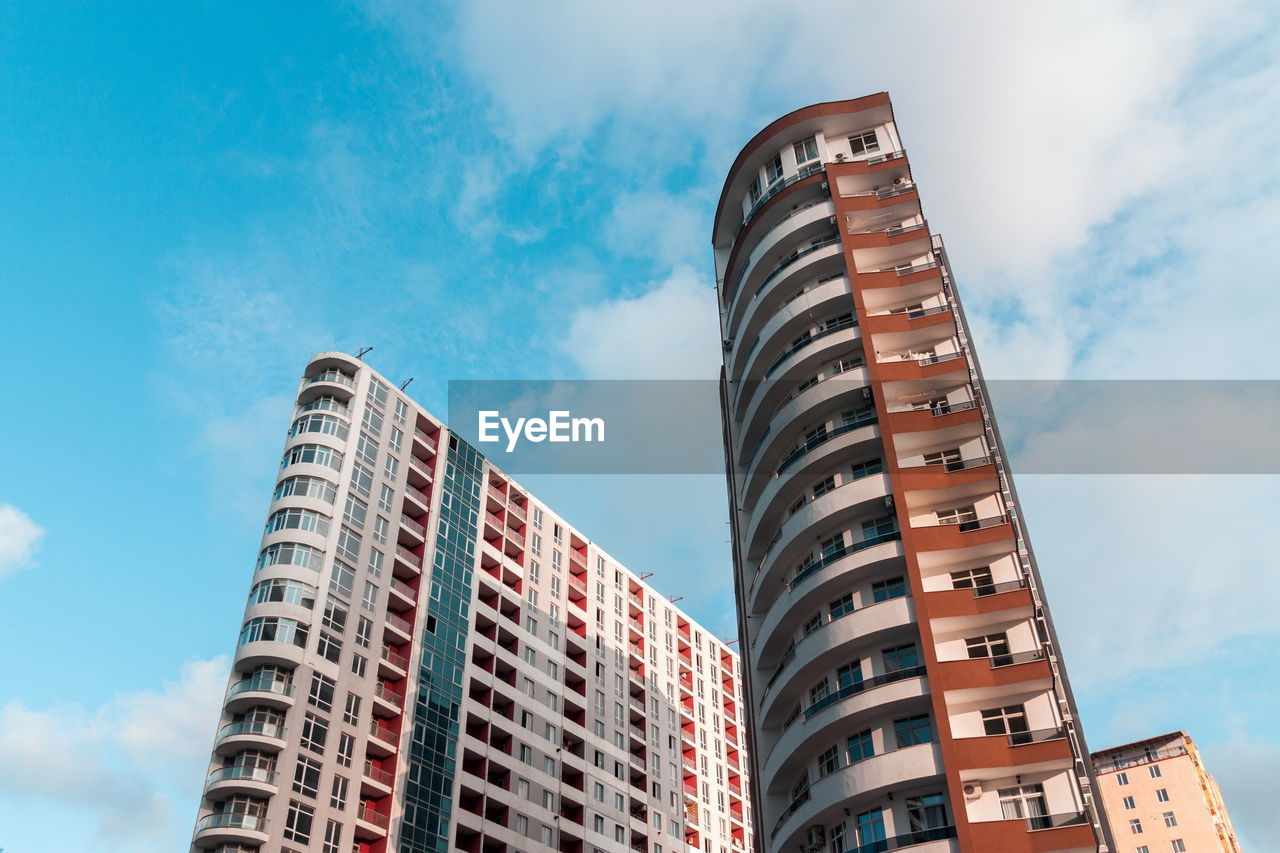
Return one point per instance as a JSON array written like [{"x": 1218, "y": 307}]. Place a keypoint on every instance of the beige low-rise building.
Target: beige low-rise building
[{"x": 1160, "y": 799}]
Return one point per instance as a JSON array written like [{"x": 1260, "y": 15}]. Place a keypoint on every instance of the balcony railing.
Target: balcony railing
[
  {"x": 1036, "y": 736},
  {"x": 425, "y": 439},
  {"x": 1054, "y": 821},
  {"x": 777, "y": 187},
  {"x": 421, "y": 466},
  {"x": 865, "y": 417},
  {"x": 232, "y": 820},
  {"x": 377, "y": 774},
  {"x": 367, "y": 814},
  {"x": 261, "y": 684},
  {"x": 414, "y": 526},
  {"x": 966, "y": 525},
  {"x": 1015, "y": 658},
  {"x": 252, "y": 727},
  {"x": 337, "y": 377},
  {"x": 997, "y": 588},
  {"x": 395, "y": 658},
  {"x": 828, "y": 559},
  {"x": 953, "y": 464},
  {"x": 386, "y": 694},
  {"x": 242, "y": 774},
  {"x": 948, "y": 408},
  {"x": 576, "y": 557},
  {"x": 399, "y": 622},
  {"x": 498, "y": 495},
  {"x": 791, "y": 652},
  {"x": 795, "y": 348},
  {"x": 408, "y": 556},
  {"x": 382, "y": 732},
  {"x": 404, "y": 589},
  {"x": 861, "y": 686},
  {"x": 793, "y": 258}
]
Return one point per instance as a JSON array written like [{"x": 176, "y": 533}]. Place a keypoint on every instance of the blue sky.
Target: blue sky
[{"x": 195, "y": 197}]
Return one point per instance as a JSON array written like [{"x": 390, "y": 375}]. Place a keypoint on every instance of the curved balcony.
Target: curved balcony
[
  {"x": 828, "y": 647},
  {"x": 249, "y": 734},
  {"x": 828, "y": 297},
  {"x": 856, "y": 785},
  {"x": 798, "y": 225},
  {"x": 795, "y": 363},
  {"x": 839, "y": 715},
  {"x": 231, "y": 827},
  {"x": 838, "y": 507},
  {"x": 255, "y": 781},
  {"x": 259, "y": 690},
  {"x": 798, "y": 601},
  {"x": 767, "y": 289}
]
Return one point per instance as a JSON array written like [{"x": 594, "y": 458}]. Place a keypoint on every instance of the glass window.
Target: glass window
[
  {"x": 887, "y": 589},
  {"x": 864, "y": 143},
  {"x": 913, "y": 730}
]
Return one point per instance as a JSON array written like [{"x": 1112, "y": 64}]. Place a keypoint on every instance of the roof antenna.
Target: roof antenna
[
  {"x": 363, "y": 350},
  {"x": 643, "y": 577},
  {"x": 406, "y": 383}
]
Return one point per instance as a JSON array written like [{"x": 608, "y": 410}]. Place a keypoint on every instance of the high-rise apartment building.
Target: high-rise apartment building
[
  {"x": 1159, "y": 798},
  {"x": 902, "y": 677},
  {"x": 432, "y": 660}
]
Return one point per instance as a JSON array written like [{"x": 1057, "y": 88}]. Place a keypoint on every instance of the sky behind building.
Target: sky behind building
[{"x": 194, "y": 198}]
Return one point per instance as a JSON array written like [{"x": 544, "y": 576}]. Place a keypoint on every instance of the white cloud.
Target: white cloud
[
  {"x": 19, "y": 539},
  {"x": 122, "y": 767},
  {"x": 667, "y": 332},
  {"x": 671, "y": 230},
  {"x": 1159, "y": 561}
]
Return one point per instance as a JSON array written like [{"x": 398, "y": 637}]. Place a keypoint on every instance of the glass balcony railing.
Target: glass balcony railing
[
  {"x": 850, "y": 323},
  {"x": 828, "y": 559},
  {"x": 261, "y": 684},
  {"x": 231, "y": 820},
  {"x": 857, "y": 687},
  {"x": 337, "y": 377},
  {"x": 865, "y": 417},
  {"x": 242, "y": 774},
  {"x": 777, "y": 187},
  {"x": 252, "y": 727}
]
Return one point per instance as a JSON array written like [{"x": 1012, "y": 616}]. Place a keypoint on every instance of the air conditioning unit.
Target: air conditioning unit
[
  {"x": 727, "y": 343},
  {"x": 816, "y": 837},
  {"x": 972, "y": 791}
]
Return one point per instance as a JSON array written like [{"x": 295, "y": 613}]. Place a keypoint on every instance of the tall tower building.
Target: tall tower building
[
  {"x": 902, "y": 676},
  {"x": 1160, "y": 799},
  {"x": 433, "y": 660}
]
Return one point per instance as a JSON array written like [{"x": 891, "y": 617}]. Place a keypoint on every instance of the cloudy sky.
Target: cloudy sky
[{"x": 195, "y": 197}]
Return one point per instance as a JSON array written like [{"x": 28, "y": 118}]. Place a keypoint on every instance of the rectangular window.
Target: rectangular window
[
  {"x": 1154, "y": 771},
  {"x": 321, "y": 693},
  {"x": 887, "y": 589},
  {"x": 329, "y": 647},
  {"x": 349, "y": 544},
  {"x": 346, "y": 748},
  {"x": 351, "y": 715},
  {"x": 297, "y": 825},
  {"x": 306, "y": 777},
  {"x": 332, "y": 838},
  {"x": 864, "y": 143},
  {"x": 1128, "y": 803},
  {"x": 828, "y": 761},
  {"x": 773, "y": 169},
  {"x": 806, "y": 150},
  {"x": 370, "y": 599},
  {"x": 376, "y": 559},
  {"x": 338, "y": 792},
  {"x": 1122, "y": 778},
  {"x": 364, "y": 631},
  {"x": 395, "y": 440},
  {"x": 359, "y": 665},
  {"x": 1169, "y": 819},
  {"x": 900, "y": 658},
  {"x": 314, "y": 732},
  {"x": 913, "y": 730},
  {"x": 380, "y": 528},
  {"x": 401, "y": 411},
  {"x": 367, "y": 450},
  {"x": 1135, "y": 827},
  {"x": 842, "y": 606},
  {"x": 386, "y": 496},
  {"x": 1177, "y": 846},
  {"x": 361, "y": 479},
  {"x": 1162, "y": 795},
  {"x": 860, "y": 747}
]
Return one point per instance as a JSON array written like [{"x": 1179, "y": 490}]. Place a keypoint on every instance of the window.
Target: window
[
  {"x": 1169, "y": 819},
  {"x": 364, "y": 631},
  {"x": 306, "y": 777},
  {"x": 355, "y": 511},
  {"x": 312, "y": 454},
  {"x": 887, "y": 589},
  {"x": 349, "y": 544},
  {"x": 849, "y": 675},
  {"x": 373, "y": 420},
  {"x": 361, "y": 479},
  {"x": 367, "y": 450},
  {"x": 925, "y": 812},
  {"x": 1177, "y": 846},
  {"x": 842, "y": 606},
  {"x": 342, "y": 579},
  {"x": 756, "y": 189},
  {"x": 351, "y": 715},
  {"x": 377, "y": 393},
  {"x": 386, "y": 497},
  {"x": 1162, "y": 795},
  {"x": 274, "y": 629},
  {"x": 338, "y": 792},
  {"x": 289, "y": 554},
  {"x": 900, "y": 658},
  {"x": 864, "y": 143},
  {"x": 390, "y": 467},
  {"x": 866, "y": 469},
  {"x": 359, "y": 664},
  {"x": 284, "y": 592},
  {"x": 297, "y": 825},
  {"x": 332, "y": 837},
  {"x": 380, "y": 528},
  {"x": 828, "y": 761},
  {"x": 1122, "y": 778},
  {"x": 773, "y": 169},
  {"x": 346, "y": 747},
  {"x": 861, "y": 747},
  {"x": 988, "y": 646},
  {"x": 395, "y": 440},
  {"x": 971, "y": 578},
  {"x": 1128, "y": 803},
  {"x": 806, "y": 150},
  {"x": 329, "y": 647},
  {"x": 537, "y": 517},
  {"x": 1135, "y": 826},
  {"x": 401, "y": 411},
  {"x": 321, "y": 693},
  {"x": 1025, "y": 801},
  {"x": 1154, "y": 771},
  {"x": 314, "y": 732},
  {"x": 1007, "y": 720},
  {"x": 370, "y": 599},
  {"x": 298, "y": 519},
  {"x": 307, "y": 487},
  {"x": 913, "y": 730}
]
